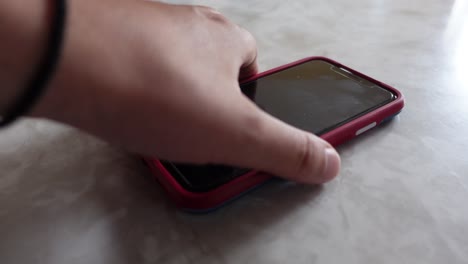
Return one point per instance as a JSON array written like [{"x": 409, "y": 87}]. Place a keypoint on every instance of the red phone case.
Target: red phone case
[{"x": 206, "y": 201}]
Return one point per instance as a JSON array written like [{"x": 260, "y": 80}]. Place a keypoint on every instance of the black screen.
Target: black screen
[{"x": 315, "y": 96}]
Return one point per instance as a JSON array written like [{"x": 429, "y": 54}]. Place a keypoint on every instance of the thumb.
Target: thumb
[{"x": 272, "y": 146}]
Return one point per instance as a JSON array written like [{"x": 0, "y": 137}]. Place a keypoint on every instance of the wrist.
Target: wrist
[
  {"x": 93, "y": 70},
  {"x": 80, "y": 82}
]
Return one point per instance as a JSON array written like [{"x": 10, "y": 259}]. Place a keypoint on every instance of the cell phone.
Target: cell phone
[{"x": 315, "y": 94}]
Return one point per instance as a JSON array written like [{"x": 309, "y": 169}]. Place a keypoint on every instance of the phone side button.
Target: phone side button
[{"x": 364, "y": 129}]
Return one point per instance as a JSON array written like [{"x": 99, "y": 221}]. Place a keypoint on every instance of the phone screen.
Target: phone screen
[{"x": 315, "y": 96}]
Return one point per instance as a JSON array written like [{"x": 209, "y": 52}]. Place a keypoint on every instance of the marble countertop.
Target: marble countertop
[{"x": 401, "y": 197}]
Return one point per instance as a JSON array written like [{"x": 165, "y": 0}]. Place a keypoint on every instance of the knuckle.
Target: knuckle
[
  {"x": 212, "y": 14},
  {"x": 302, "y": 159},
  {"x": 309, "y": 164},
  {"x": 248, "y": 37},
  {"x": 249, "y": 41},
  {"x": 249, "y": 46}
]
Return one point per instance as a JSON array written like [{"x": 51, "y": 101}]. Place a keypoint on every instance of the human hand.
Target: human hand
[{"x": 162, "y": 80}]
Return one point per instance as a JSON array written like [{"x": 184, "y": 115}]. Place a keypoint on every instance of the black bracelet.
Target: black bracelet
[{"x": 45, "y": 69}]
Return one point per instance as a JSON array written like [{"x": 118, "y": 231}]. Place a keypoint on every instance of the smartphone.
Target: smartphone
[{"x": 315, "y": 94}]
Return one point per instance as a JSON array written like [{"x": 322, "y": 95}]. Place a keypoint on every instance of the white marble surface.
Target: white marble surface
[{"x": 401, "y": 197}]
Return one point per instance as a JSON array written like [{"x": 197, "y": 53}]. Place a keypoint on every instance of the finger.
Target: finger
[
  {"x": 249, "y": 65},
  {"x": 244, "y": 41},
  {"x": 265, "y": 143}
]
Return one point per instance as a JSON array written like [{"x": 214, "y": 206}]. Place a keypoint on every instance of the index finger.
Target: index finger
[{"x": 249, "y": 66}]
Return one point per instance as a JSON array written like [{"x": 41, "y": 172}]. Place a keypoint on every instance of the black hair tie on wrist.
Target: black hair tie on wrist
[{"x": 45, "y": 69}]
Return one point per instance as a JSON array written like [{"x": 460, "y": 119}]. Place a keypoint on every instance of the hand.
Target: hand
[{"x": 162, "y": 80}]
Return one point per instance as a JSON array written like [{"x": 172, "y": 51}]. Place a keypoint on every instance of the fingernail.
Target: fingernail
[{"x": 332, "y": 164}]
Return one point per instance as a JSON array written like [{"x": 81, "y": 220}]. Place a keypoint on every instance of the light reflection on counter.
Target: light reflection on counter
[{"x": 457, "y": 43}]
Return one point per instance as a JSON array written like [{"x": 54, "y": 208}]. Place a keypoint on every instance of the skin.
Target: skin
[{"x": 159, "y": 80}]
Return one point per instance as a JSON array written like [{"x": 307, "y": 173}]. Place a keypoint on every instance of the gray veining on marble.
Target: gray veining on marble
[{"x": 401, "y": 197}]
